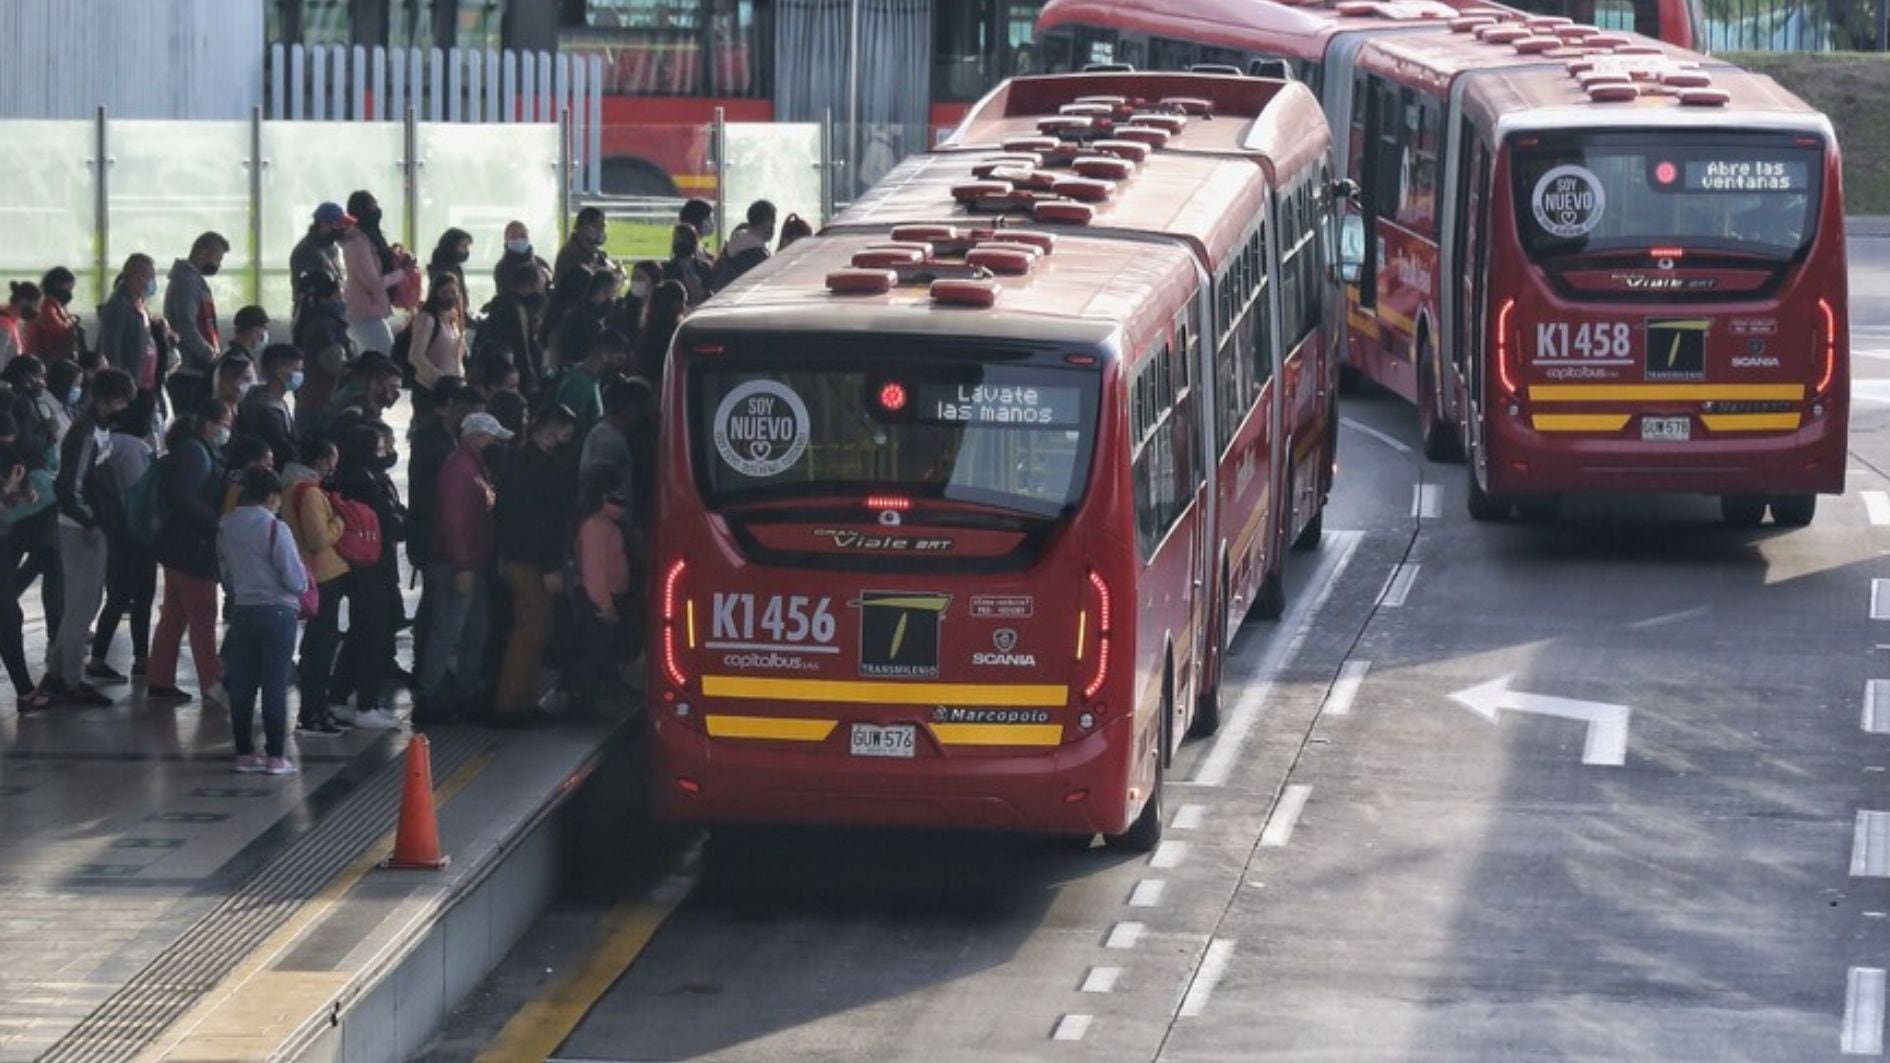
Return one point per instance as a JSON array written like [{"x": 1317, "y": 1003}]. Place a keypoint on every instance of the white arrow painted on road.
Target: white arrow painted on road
[{"x": 1607, "y": 724}]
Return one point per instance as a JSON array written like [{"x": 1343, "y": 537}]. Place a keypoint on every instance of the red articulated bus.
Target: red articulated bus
[
  {"x": 1715, "y": 241},
  {"x": 962, "y": 499}
]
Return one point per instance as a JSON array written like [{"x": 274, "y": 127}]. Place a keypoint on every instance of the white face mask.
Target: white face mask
[
  {"x": 262, "y": 340},
  {"x": 244, "y": 387},
  {"x": 640, "y": 289},
  {"x": 519, "y": 247}
]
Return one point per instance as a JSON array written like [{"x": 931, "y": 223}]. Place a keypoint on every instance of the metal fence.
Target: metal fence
[{"x": 1796, "y": 25}]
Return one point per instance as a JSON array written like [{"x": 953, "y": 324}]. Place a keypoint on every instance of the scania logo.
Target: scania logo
[
  {"x": 1005, "y": 639},
  {"x": 1643, "y": 282}
]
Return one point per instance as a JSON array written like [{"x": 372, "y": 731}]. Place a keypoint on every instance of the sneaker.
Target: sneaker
[
  {"x": 279, "y": 766},
  {"x": 48, "y": 694},
  {"x": 86, "y": 696},
  {"x": 165, "y": 694},
  {"x": 317, "y": 727},
  {"x": 377, "y": 720},
  {"x": 216, "y": 696},
  {"x": 139, "y": 666},
  {"x": 249, "y": 763},
  {"x": 104, "y": 673},
  {"x": 338, "y": 722},
  {"x": 345, "y": 715}
]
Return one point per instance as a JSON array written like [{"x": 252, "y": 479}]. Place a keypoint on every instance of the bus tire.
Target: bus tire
[
  {"x": 1145, "y": 833},
  {"x": 1793, "y": 511},
  {"x": 1314, "y": 531},
  {"x": 1483, "y": 505},
  {"x": 1440, "y": 440},
  {"x": 1207, "y": 706},
  {"x": 1742, "y": 511}
]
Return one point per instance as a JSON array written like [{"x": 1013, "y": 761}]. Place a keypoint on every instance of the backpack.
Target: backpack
[
  {"x": 360, "y": 543},
  {"x": 140, "y": 502}
]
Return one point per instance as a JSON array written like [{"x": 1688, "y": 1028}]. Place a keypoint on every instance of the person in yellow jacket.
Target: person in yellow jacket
[{"x": 317, "y": 527}]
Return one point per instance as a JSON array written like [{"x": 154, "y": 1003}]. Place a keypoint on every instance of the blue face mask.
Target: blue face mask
[
  {"x": 150, "y": 288},
  {"x": 295, "y": 380},
  {"x": 519, "y": 247},
  {"x": 74, "y": 394}
]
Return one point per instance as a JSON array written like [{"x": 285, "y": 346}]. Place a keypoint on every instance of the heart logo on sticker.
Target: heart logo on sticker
[{"x": 759, "y": 450}]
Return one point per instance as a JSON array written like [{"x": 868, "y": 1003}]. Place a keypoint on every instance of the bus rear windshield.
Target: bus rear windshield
[
  {"x": 1010, "y": 436},
  {"x": 1592, "y": 193}
]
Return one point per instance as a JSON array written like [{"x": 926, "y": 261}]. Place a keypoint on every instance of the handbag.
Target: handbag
[
  {"x": 405, "y": 294},
  {"x": 309, "y": 602}
]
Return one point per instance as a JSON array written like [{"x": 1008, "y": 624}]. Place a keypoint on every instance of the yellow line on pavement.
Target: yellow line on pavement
[{"x": 539, "y": 1027}]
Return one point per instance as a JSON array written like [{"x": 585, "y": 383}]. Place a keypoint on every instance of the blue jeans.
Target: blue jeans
[
  {"x": 257, "y": 654},
  {"x": 456, "y": 639}
]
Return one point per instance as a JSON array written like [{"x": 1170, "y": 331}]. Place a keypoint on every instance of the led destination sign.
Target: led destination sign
[
  {"x": 1746, "y": 175},
  {"x": 1023, "y": 406}
]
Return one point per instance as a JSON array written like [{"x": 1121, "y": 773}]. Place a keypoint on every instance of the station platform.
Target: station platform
[{"x": 155, "y": 905}]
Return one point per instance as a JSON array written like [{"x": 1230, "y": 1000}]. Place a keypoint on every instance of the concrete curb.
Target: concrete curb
[{"x": 1867, "y": 225}]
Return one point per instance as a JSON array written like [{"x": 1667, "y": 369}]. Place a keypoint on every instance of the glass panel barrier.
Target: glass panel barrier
[
  {"x": 308, "y": 163},
  {"x": 48, "y": 213},
  {"x": 171, "y": 182},
  {"x": 478, "y": 180},
  {"x": 648, "y": 172},
  {"x": 778, "y": 162}
]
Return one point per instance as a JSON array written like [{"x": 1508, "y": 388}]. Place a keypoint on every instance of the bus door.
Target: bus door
[
  {"x": 1469, "y": 303},
  {"x": 1194, "y": 402},
  {"x": 1449, "y": 349}
]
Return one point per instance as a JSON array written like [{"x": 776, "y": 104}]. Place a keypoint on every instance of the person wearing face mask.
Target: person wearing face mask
[
  {"x": 264, "y": 413},
  {"x": 188, "y": 511},
  {"x": 372, "y": 388},
  {"x": 189, "y": 307},
  {"x": 519, "y": 269},
  {"x": 532, "y": 519},
  {"x": 580, "y": 388},
  {"x": 585, "y": 249},
  {"x": 56, "y": 333},
  {"x": 514, "y": 319},
  {"x": 265, "y": 578},
  {"x": 319, "y": 250},
  {"x": 22, "y": 307},
  {"x": 456, "y": 575},
  {"x": 310, "y": 513},
  {"x": 321, "y": 334},
  {"x": 627, "y": 316},
  {"x": 26, "y": 377},
  {"x": 747, "y": 246},
  {"x": 252, "y": 334},
  {"x": 436, "y": 344},
  {"x": 59, "y": 402},
  {"x": 584, "y": 321},
  {"x": 603, "y": 572},
  {"x": 373, "y": 268},
  {"x": 81, "y": 544},
  {"x": 366, "y": 456},
  {"x": 130, "y": 566},
  {"x": 450, "y": 255},
  {"x": 125, "y": 336},
  {"x": 685, "y": 265}
]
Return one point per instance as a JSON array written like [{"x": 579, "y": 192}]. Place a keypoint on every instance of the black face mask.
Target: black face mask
[
  {"x": 328, "y": 237},
  {"x": 385, "y": 461},
  {"x": 369, "y": 218},
  {"x": 28, "y": 313},
  {"x": 461, "y": 256},
  {"x": 210, "y": 270},
  {"x": 62, "y": 296}
]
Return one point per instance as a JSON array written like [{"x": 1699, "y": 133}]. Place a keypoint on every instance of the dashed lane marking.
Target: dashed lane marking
[
  {"x": 1877, "y": 706},
  {"x": 1189, "y": 817},
  {"x": 1398, "y": 587},
  {"x": 1220, "y": 952},
  {"x": 1880, "y": 599},
  {"x": 1870, "y": 845},
  {"x": 1364, "y": 429},
  {"x": 1124, "y": 936},
  {"x": 1071, "y": 1027},
  {"x": 1169, "y": 855},
  {"x": 1218, "y": 765},
  {"x": 1345, "y": 688},
  {"x": 1147, "y": 893},
  {"x": 1863, "y": 1012},
  {"x": 1876, "y": 506},
  {"x": 1279, "y": 828},
  {"x": 1426, "y": 501},
  {"x": 1101, "y": 979}
]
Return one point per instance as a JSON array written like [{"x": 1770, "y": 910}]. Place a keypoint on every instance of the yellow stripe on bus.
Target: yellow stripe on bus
[
  {"x": 786, "y": 729},
  {"x": 1666, "y": 392},
  {"x": 1579, "y": 422},
  {"x": 852, "y": 691},
  {"x": 696, "y": 182},
  {"x": 998, "y": 734},
  {"x": 1751, "y": 422}
]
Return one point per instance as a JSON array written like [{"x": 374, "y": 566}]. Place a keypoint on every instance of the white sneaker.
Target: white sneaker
[
  {"x": 250, "y": 763},
  {"x": 217, "y": 696},
  {"x": 279, "y": 766},
  {"x": 346, "y": 714},
  {"x": 376, "y": 720}
]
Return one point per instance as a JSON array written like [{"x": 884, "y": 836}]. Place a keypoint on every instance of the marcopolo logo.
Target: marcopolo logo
[
  {"x": 1569, "y": 202},
  {"x": 761, "y": 428},
  {"x": 1004, "y": 640}
]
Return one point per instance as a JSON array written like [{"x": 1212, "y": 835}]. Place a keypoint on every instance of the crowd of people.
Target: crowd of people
[{"x": 159, "y": 467}]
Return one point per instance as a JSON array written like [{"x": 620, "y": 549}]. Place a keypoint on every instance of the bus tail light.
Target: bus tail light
[
  {"x": 1503, "y": 345},
  {"x": 1105, "y": 629},
  {"x": 672, "y": 659},
  {"x": 1827, "y": 347}
]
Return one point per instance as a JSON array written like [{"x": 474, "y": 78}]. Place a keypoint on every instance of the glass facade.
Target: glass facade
[{"x": 674, "y": 47}]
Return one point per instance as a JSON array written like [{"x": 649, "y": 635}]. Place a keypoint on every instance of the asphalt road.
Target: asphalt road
[{"x": 1603, "y": 789}]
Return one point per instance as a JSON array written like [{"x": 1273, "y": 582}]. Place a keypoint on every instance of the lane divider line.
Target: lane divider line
[
  {"x": 1345, "y": 688},
  {"x": 1101, "y": 979},
  {"x": 1279, "y": 828},
  {"x": 1880, "y": 599},
  {"x": 1218, "y": 765},
  {"x": 1071, "y": 1027},
  {"x": 1124, "y": 936},
  {"x": 1863, "y": 1012},
  {"x": 1876, "y": 506},
  {"x": 1364, "y": 429},
  {"x": 1876, "y": 718},
  {"x": 1870, "y": 845},
  {"x": 1398, "y": 586},
  {"x": 1147, "y": 893},
  {"x": 1426, "y": 501},
  {"x": 1189, "y": 817},
  {"x": 1220, "y": 953},
  {"x": 1168, "y": 855}
]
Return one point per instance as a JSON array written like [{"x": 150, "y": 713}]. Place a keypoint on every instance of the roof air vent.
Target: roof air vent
[
  {"x": 1063, "y": 212},
  {"x": 1103, "y": 167},
  {"x": 1704, "y": 97},
  {"x": 883, "y": 258},
  {"x": 964, "y": 291},
  {"x": 1005, "y": 261},
  {"x": 1537, "y": 45},
  {"x": 925, "y": 234},
  {"x": 1134, "y": 151},
  {"x": 1613, "y": 92},
  {"x": 1188, "y": 104},
  {"x": 861, "y": 281}
]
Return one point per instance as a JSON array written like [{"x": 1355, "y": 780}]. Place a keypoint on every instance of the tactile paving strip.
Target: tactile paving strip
[{"x": 127, "y": 1022}]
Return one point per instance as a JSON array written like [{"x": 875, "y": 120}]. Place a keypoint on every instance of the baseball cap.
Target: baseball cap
[
  {"x": 332, "y": 214},
  {"x": 484, "y": 424}
]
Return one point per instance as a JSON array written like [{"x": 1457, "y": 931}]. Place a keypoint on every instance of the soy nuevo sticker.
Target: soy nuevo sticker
[
  {"x": 761, "y": 428},
  {"x": 1569, "y": 202}
]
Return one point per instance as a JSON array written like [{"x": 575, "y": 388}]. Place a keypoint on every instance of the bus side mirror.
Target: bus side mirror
[{"x": 1351, "y": 247}]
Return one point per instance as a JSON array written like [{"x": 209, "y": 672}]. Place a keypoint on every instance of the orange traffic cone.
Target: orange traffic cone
[{"x": 417, "y": 841}]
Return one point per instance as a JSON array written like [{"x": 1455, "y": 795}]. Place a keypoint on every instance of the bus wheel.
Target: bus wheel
[
  {"x": 1794, "y": 511},
  {"x": 1315, "y": 528},
  {"x": 1269, "y": 603},
  {"x": 1483, "y": 505},
  {"x": 1207, "y": 706},
  {"x": 1742, "y": 511},
  {"x": 1146, "y": 832},
  {"x": 1440, "y": 440}
]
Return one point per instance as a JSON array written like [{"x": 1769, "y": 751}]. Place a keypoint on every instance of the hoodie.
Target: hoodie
[
  {"x": 744, "y": 251},
  {"x": 308, "y": 512},
  {"x": 192, "y": 313}
]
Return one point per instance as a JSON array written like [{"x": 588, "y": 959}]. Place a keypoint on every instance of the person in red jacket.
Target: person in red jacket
[{"x": 456, "y": 577}]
